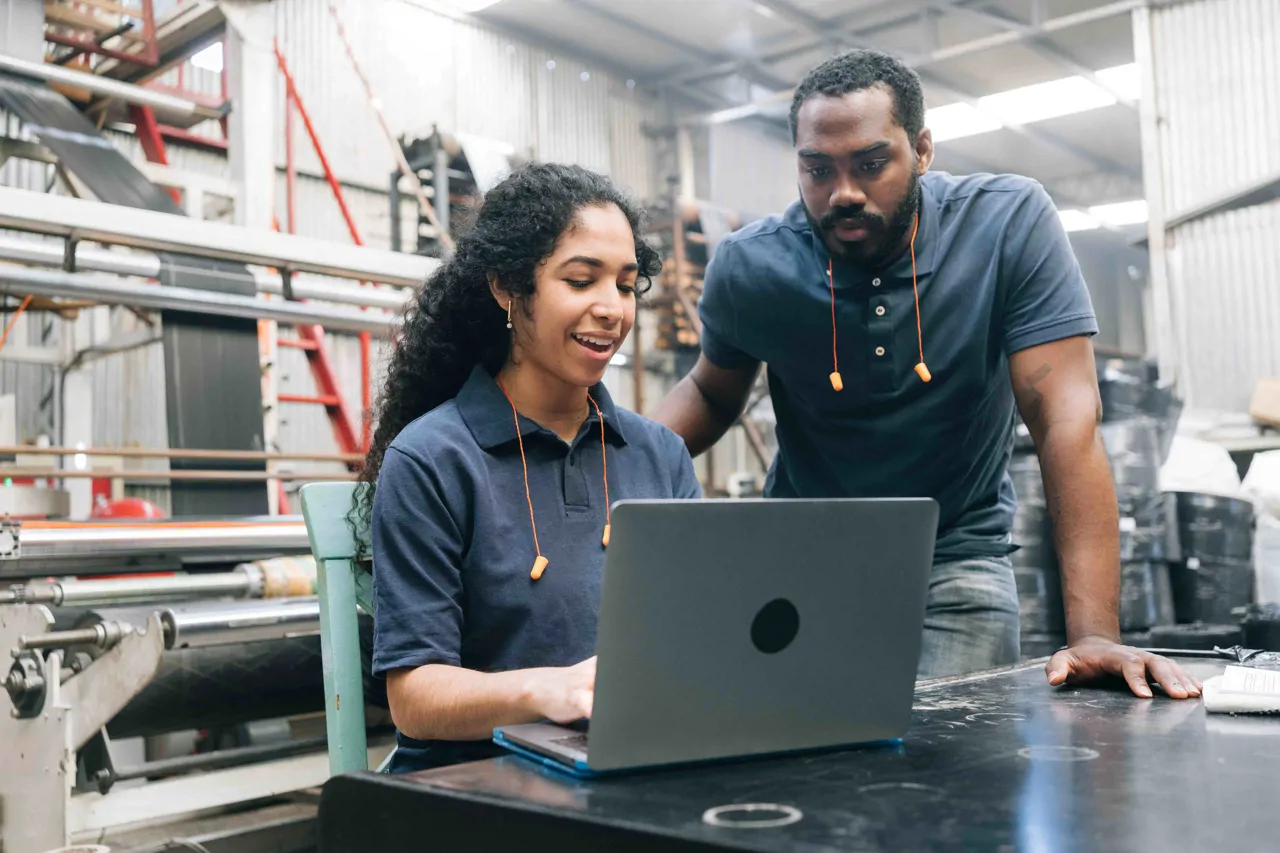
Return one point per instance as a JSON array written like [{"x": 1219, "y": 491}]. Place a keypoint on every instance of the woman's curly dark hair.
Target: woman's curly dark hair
[{"x": 454, "y": 323}]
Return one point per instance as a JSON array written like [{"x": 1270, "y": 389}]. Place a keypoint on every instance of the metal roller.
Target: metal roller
[
  {"x": 219, "y": 624},
  {"x": 226, "y": 663},
  {"x": 87, "y": 549}
]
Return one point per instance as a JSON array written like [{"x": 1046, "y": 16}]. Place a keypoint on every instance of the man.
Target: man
[{"x": 881, "y": 392}]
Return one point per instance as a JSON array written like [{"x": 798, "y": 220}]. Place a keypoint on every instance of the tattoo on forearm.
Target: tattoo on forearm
[{"x": 1033, "y": 399}]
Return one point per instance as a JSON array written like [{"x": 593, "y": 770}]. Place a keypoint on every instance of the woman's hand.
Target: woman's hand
[{"x": 564, "y": 694}]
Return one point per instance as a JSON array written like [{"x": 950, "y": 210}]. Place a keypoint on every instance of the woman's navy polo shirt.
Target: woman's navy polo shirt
[{"x": 453, "y": 547}]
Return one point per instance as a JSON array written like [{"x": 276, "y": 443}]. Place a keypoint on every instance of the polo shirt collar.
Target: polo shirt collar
[
  {"x": 926, "y": 240},
  {"x": 487, "y": 412}
]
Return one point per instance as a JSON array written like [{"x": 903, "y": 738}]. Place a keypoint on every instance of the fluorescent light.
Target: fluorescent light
[
  {"x": 1125, "y": 79},
  {"x": 1121, "y": 213},
  {"x": 958, "y": 120},
  {"x": 1047, "y": 100},
  {"x": 1077, "y": 220},
  {"x": 210, "y": 59},
  {"x": 764, "y": 11},
  {"x": 1029, "y": 104}
]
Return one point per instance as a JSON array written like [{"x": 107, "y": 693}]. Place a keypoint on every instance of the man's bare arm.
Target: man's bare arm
[
  {"x": 1056, "y": 387},
  {"x": 702, "y": 407}
]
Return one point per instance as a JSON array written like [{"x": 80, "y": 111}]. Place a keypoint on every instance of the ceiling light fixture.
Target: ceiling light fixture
[
  {"x": 1077, "y": 220},
  {"x": 1028, "y": 104},
  {"x": 1121, "y": 213}
]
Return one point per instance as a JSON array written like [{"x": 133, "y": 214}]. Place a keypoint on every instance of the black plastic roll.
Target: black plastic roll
[
  {"x": 1215, "y": 528},
  {"x": 1146, "y": 599},
  {"x": 1124, "y": 397},
  {"x": 1198, "y": 636},
  {"x": 1028, "y": 486},
  {"x": 1211, "y": 592},
  {"x": 1143, "y": 534},
  {"x": 225, "y": 685},
  {"x": 1033, "y": 534},
  {"x": 1041, "y": 645},
  {"x": 1133, "y": 447},
  {"x": 1137, "y": 639},
  {"x": 1261, "y": 627},
  {"x": 1039, "y": 600}
]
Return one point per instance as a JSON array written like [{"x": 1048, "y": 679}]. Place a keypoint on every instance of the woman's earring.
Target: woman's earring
[{"x": 509, "y": 313}]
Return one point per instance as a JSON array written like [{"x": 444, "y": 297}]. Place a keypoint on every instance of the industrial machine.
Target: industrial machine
[{"x": 216, "y": 635}]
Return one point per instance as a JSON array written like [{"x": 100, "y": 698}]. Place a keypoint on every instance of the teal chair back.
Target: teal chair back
[{"x": 341, "y": 586}]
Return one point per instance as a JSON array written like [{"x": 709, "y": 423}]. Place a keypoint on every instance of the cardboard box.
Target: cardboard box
[{"x": 1265, "y": 408}]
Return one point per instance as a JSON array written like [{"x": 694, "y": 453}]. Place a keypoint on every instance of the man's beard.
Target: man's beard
[{"x": 891, "y": 233}]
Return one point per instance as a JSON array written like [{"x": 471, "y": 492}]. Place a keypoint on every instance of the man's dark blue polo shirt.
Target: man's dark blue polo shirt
[
  {"x": 996, "y": 275},
  {"x": 453, "y": 546}
]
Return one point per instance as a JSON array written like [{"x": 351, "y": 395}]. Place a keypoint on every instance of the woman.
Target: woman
[{"x": 488, "y": 541}]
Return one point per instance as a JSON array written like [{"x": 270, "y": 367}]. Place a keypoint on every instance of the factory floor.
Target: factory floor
[{"x": 283, "y": 827}]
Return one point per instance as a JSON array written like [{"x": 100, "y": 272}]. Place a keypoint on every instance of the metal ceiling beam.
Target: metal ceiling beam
[
  {"x": 799, "y": 18},
  {"x": 829, "y": 27},
  {"x": 1038, "y": 44},
  {"x": 749, "y": 69}
]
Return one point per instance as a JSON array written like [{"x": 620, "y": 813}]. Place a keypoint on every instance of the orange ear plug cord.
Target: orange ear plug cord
[
  {"x": 836, "y": 381},
  {"x": 540, "y": 562}
]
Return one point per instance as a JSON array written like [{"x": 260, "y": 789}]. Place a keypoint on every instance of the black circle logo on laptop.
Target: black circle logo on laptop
[{"x": 775, "y": 626}]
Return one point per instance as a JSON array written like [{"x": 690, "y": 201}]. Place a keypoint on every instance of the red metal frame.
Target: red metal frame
[
  {"x": 291, "y": 93},
  {"x": 152, "y": 141}
]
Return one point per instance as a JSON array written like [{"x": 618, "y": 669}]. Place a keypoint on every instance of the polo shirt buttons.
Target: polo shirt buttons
[
  {"x": 879, "y": 350},
  {"x": 879, "y": 310},
  {"x": 875, "y": 282}
]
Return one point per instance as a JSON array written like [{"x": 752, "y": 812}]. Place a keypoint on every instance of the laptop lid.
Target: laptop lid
[{"x": 743, "y": 627}]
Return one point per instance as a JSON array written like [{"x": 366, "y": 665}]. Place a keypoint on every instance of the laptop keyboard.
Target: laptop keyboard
[{"x": 578, "y": 742}]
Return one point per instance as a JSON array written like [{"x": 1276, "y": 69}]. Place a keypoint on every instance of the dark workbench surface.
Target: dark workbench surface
[{"x": 994, "y": 762}]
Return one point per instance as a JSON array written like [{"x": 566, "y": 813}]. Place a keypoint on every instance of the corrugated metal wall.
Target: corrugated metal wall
[
  {"x": 1217, "y": 76},
  {"x": 431, "y": 70}
]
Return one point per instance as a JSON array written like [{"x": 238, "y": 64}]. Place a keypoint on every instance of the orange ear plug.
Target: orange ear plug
[
  {"x": 538, "y": 566},
  {"x": 605, "y": 540},
  {"x": 924, "y": 372},
  {"x": 836, "y": 382}
]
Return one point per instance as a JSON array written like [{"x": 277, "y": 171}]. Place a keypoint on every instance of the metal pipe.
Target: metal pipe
[
  {"x": 108, "y": 88},
  {"x": 171, "y": 453},
  {"x": 206, "y": 476},
  {"x": 240, "y": 622},
  {"x": 60, "y": 541},
  {"x": 103, "y": 635},
  {"x": 59, "y": 216},
  {"x": 119, "y": 292},
  {"x": 146, "y": 265},
  {"x": 235, "y": 583},
  {"x": 183, "y": 764}
]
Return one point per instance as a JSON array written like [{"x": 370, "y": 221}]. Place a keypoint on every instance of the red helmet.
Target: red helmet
[{"x": 125, "y": 508}]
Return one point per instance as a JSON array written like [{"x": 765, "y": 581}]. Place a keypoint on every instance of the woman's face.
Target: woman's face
[{"x": 585, "y": 299}]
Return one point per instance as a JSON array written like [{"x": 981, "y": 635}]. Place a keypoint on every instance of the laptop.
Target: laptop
[{"x": 738, "y": 628}]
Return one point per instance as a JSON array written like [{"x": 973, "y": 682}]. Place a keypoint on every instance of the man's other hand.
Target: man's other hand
[{"x": 1095, "y": 657}]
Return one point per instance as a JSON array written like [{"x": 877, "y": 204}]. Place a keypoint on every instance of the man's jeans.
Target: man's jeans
[{"x": 971, "y": 620}]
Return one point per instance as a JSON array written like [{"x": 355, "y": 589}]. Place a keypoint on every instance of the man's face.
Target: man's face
[{"x": 859, "y": 173}]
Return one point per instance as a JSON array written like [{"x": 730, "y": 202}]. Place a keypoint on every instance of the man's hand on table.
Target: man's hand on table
[{"x": 1092, "y": 658}]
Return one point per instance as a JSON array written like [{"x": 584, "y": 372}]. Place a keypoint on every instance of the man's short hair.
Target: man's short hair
[{"x": 856, "y": 70}]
